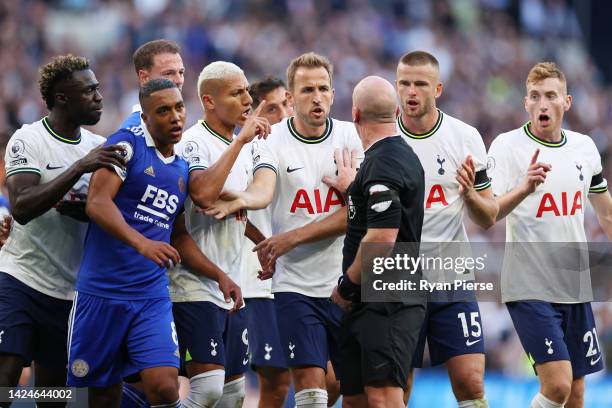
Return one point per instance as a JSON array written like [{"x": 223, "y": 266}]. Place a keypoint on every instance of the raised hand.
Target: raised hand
[
  {"x": 466, "y": 175},
  {"x": 255, "y": 126},
  {"x": 347, "y": 169},
  {"x": 536, "y": 173}
]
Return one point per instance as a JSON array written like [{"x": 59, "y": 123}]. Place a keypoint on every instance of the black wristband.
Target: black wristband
[{"x": 348, "y": 290}]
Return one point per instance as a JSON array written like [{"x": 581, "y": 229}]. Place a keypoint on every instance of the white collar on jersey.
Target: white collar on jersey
[
  {"x": 136, "y": 108},
  {"x": 151, "y": 143}
]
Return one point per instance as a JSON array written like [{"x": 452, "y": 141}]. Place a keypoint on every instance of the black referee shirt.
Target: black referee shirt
[{"x": 387, "y": 192}]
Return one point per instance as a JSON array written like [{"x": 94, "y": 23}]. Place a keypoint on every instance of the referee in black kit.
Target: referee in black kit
[{"x": 385, "y": 205}]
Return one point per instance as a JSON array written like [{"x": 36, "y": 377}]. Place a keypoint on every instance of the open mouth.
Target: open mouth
[
  {"x": 413, "y": 103},
  {"x": 544, "y": 119},
  {"x": 246, "y": 113},
  {"x": 318, "y": 111},
  {"x": 176, "y": 129}
]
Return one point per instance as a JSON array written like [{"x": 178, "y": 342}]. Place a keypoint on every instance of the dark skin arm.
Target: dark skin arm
[
  {"x": 103, "y": 211},
  {"x": 30, "y": 199},
  {"x": 196, "y": 261}
]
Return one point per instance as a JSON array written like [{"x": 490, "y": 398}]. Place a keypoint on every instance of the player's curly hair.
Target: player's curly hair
[{"x": 59, "y": 69}]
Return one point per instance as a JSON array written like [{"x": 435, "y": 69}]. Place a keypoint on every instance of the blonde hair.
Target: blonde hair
[
  {"x": 308, "y": 60},
  {"x": 216, "y": 70},
  {"x": 545, "y": 70}
]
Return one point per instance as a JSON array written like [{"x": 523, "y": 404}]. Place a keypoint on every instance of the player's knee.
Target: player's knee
[
  {"x": 206, "y": 389},
  {"x": 10, "y": 370},
  {"x": 277, "y": 387},
  {"x": 470, "y": 386},
  {"x": 165, "y": 390},
  {"x": 557, "y": 390}
]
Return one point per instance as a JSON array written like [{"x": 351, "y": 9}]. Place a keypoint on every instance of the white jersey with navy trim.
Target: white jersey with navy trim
[
  {"x": 252, "y": 287},
  {"x": 301, "y": 198},
  {"x": 554, "y": 213},
  {"x": 45, "y": 253},
  {"x": 221, "y": 240},
  {"x": 441, "y": 151}
]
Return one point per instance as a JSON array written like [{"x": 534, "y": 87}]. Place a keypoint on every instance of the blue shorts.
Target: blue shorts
[
  {"x": 309, "y": 329},
  {"x": 110, "y": 339},
  {"x": 32, "y": 325},
  {"x": 210, "y": 334},
  {"x": 556, "y": 331},
  {"x": 264, "y": 342},
  {"x": 451, "y": 329}
]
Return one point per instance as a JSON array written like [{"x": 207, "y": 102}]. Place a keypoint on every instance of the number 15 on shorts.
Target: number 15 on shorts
[{"x": 473, "y": 330}]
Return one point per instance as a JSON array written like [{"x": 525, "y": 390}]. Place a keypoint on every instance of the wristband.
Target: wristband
[{"x": 348, "y": 290}]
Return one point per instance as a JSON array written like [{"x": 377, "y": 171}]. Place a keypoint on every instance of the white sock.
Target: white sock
[
  {"x": 233, "y": 394},
  {"x": 206, "y": 389},
  {"x": 540, "y": 401},
  {"x": 311, "y": 398},
  {"x": 479, "y": 403},
  {"x": 176, "y": 404}
]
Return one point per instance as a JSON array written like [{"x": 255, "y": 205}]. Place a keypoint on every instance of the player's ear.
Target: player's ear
[
  {"x": 397, "y": 111},
  {"x": 356, "y": 114},
  {"x": 439, "y": 88},
  {"x": 208, "y": 102},
  {"x": 567, "y": 103},
  {"x": 60, "y": 98},
  {"x": 333, "y": 94},
  {"x": 143, "y": 76}
]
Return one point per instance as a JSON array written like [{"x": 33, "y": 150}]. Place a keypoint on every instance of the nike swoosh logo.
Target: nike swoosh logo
[
  {"x": 245, "y": 361},
  {"x": 290, "y": 170},
  {"x": 470, "y": 343},
  {"x": 49, "y": 167},
  {"x": 596, "y": 360}
]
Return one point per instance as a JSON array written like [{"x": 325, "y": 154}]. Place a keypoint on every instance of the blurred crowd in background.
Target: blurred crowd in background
[{"x": 485, "y": 48}]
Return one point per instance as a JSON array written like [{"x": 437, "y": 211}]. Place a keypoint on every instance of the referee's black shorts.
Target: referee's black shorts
[{"x": 377, "y": 342}]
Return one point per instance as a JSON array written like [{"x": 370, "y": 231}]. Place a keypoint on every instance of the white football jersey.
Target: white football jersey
[
  {"x": 441, "y": 151},
  {"x": 45, "y": 254},
  {"x": 221, "y": 240},
  {"x": 252, "y": 287},
  {"x": 301, "y": 198},
  {"x": 554, "y": 213}
]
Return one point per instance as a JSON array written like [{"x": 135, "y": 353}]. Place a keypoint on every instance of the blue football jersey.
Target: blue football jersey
[
  {"x": 151, "y": 196},
  {"x": 132, "y": 121}
]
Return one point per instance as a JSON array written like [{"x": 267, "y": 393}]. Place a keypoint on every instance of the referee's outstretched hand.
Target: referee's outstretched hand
[{"x": 346, "y": 162}]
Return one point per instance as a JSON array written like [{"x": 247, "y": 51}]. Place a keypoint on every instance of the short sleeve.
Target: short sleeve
[
  {"x": 598, "y": 183},
  {"x": 498, "y": 168},
  {"x": 126, "y": 140},
  {"x": 381, "y": 190},
  {"x": 22, "y": 154},
  {"x": 196, "y": 154},
  {"x": 476, "y": 149},
  {"x": 264, "y": 156}
]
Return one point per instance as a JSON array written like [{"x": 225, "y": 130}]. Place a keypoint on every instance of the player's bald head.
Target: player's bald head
[{"x": 375, "y": 100}]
